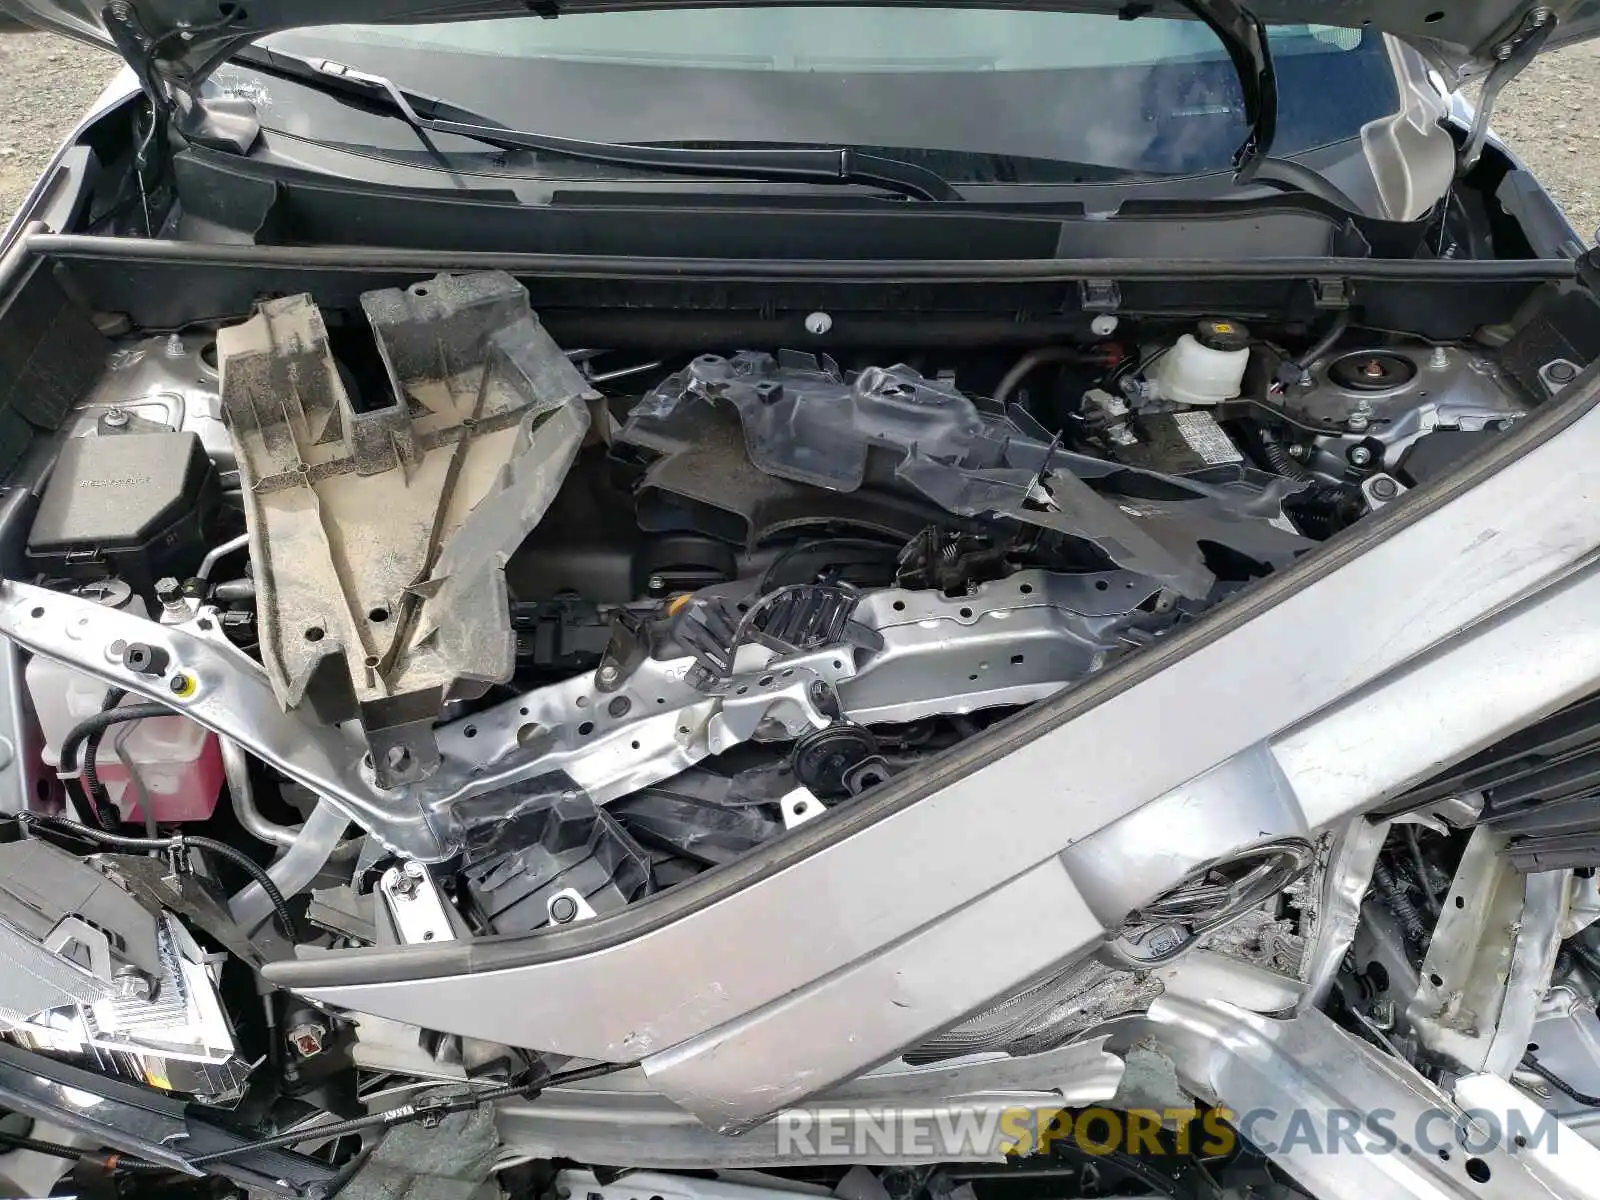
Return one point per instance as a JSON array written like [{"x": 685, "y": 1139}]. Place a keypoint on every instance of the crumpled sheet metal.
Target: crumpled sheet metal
[{"x": 379, "y": 525}]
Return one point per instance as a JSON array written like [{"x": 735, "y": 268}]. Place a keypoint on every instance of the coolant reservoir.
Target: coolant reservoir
[
  {"x": 178, "y": 761},
  {"x": 1206, "y": 366}
]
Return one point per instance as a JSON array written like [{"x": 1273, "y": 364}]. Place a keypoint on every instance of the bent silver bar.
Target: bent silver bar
[
  {"x": 1310, "y": 1090},
  {"x": 923, "y": 912},
  {"x": 589, "y": 1120}
]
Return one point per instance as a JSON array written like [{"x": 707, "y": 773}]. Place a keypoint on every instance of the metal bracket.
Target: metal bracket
[
  {"x": 414, "y": 904},
  {"x": 800, "y": 806},
  {"x": 1381, "y": 489},
  {"x": 1516, "y": 52},
  {"x": 569, "y": 905}
]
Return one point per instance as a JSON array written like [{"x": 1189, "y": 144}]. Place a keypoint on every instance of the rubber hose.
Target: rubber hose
[
  {"x": 1029, "y": 362},
  {"x": 182, "y": 841},
  {"x": 1323, "y": 344},
  {"x": 296, "y": 868}
]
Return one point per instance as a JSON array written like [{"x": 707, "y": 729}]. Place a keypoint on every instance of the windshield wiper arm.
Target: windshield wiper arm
[
  {"x": 1244, "y": 37},
  {"x": 832, "y": 166}
]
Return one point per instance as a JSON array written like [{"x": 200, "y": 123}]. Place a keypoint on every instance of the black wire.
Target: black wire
[
  {"x": 253, "y": 869},
  {"x": 95, "y": 794},
  {"x": 404, "y": 1115},
  {"x": 1138, "y": 367},
  {"x": 54, "y": 1149},
  {"x": 407, "y": 1113},
  {"x": 1555, "y": 1081},
  {"x": 1414, "y": 842},
  {"x": 101, "y": 721},
  {"x": 182, "y": 841},
  {"x": 816, "y": 543}
]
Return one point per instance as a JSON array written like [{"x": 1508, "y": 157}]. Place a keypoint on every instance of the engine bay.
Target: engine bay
[
  {"x": 599, "y": 624},
  {"x": 504, "y": 636}
]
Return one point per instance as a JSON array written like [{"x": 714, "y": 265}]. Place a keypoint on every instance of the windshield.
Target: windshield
[{"x": 1145, "y": 96}]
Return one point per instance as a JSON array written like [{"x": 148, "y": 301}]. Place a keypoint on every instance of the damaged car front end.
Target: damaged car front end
[{"x": 704, "y": 660}]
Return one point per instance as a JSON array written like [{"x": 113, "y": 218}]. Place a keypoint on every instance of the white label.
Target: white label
[{"x": 1205, "y": 438}]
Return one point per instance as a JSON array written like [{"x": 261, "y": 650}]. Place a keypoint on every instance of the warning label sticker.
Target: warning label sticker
[{"x": 1205, "y": 438}]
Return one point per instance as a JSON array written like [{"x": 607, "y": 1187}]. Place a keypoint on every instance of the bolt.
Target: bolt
[
  {"x": 608, "y": 674},
  {"x": 114, "y": 418},
  {"x": 563, "y": 910},
  {"x": 1384, "y": 488},
  {"x": 168, "y": 590},
  {"x": 180, "y": 684},
  {"x": 1439, "y": 359},
  {"x": 306, "y": 1038},
  {"x": 1296, "y": 450},
  {"x": 656, "y": 584},
  {"x": 412, "y": 873},
  {"x": 175, "y": 347},
  {"x": 818, "y": 323},
  {"x": 1360, "y": 456},
  {"x": 1358, "y": 423}
]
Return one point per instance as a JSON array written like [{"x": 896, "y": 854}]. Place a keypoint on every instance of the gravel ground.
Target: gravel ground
[{"x": 1550, "y": 116}]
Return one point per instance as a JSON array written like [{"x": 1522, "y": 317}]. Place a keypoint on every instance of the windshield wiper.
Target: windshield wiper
[
  {"x": 832, "y": 166},
  {"x": 1244, "y": 38}
]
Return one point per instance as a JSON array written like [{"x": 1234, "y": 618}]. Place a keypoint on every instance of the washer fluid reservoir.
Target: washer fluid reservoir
[{"x": 179, "y": 762}]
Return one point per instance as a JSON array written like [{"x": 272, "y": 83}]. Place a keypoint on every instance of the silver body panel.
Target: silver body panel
[{"x": 1474, "y": 621}]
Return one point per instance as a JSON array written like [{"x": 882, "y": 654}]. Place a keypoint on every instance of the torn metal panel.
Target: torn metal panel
[{"x": 379, "y": 531}]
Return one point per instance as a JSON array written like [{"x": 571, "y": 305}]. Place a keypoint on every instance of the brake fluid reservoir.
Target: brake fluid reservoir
[
  {"x": 179, "y": 762},
  {"x": 1206, "y": 366}
]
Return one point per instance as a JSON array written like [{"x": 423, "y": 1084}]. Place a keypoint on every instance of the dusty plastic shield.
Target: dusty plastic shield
[{"x": 378, "y": 531}]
